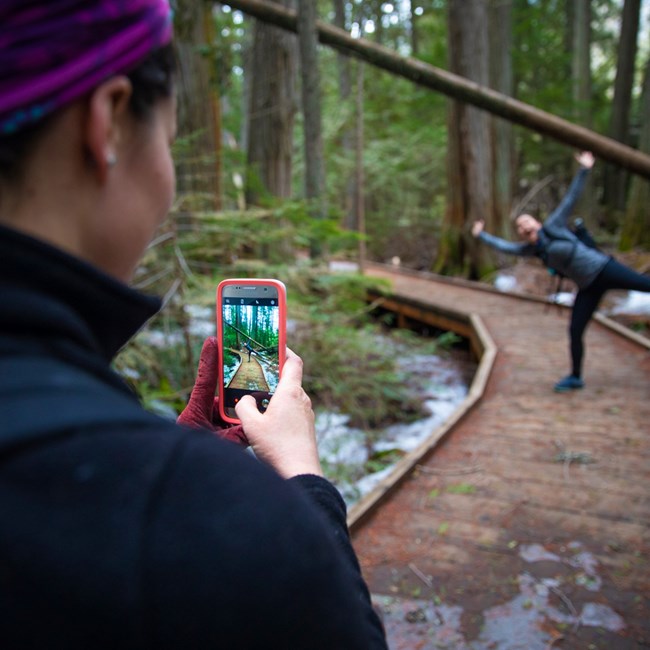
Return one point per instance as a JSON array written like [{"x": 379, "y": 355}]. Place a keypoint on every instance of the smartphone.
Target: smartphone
[{"x": 251, "y": 327}]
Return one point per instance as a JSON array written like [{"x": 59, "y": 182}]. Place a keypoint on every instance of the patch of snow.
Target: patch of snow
[
  {"x": 347, "y": 449},
  {"x": 536, "y": 553},
  {"x": 341, "y": 266},
  {"x": 521, "y": 623},
  {"x": 505, "y": 282},
  {"x": 635, "y": 302},
  {"x": 563, "y": 298},
  {"x": 598, "y": 615},
  {"x": 201, "y": 324},
  {"x": 202, "y": 321}
]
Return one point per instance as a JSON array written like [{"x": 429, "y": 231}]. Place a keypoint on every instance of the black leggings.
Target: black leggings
[{"x": 613, "y": 276}]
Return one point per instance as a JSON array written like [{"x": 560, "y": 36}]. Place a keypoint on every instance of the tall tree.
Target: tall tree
[
  {"x": 215, "y": 103},
  {"x": 581, "y": 79},
  {"x": 501, "y": 79},
  {"x": 636, "y": 226},
  {"x": 374, "y": 11},
  {"x": 615, "y": 177},
  {"x": 582, "y": 62},
  {"x": 272, "y": 111},
  {"x": 359, "y": 182},
  {"x": 469, "y": 153},
  {"x": 194, "y": 89},
  {"x": 311, "y": 105},
  {"x": 347, "y": 132},
  {"x": 415, "y": 11}
]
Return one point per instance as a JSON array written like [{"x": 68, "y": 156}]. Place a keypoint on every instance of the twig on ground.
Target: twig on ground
[
  {"x": 569, "y": 605},
  {"x": 449, "y": 470},
  {"x": 421, "y": 575}
]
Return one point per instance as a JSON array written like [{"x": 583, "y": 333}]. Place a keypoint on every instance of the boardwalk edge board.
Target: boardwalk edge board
[
  {"x": 486, "y": 350},
  {"x": 481, "y": 286}
]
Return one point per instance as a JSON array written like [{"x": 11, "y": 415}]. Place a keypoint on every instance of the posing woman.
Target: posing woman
[
  {"x": 560, "y": 249},
  {"x": 119, "y": 529}
]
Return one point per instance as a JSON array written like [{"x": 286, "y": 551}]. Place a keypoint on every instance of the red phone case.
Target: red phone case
[{"x": 282, "y": 306}]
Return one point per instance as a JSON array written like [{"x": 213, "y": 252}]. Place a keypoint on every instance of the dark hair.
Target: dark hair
[{"x": 152, "y": 80}]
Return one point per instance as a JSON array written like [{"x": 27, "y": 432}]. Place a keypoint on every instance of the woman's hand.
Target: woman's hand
[
  {"x": 284, "y": 435},
  {"x": 202, "y": 411},
  {"x": 586, "y": 159},
  {"x": 477, "y": 227}
]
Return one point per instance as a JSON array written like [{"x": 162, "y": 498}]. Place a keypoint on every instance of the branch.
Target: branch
[{"x": 456, "y": 87}]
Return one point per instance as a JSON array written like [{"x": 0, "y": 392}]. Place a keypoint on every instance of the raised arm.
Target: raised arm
[{"x": 558, "y": 218}]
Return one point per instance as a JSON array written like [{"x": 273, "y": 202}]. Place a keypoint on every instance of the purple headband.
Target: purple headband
[{"x": 54, "y": 51}]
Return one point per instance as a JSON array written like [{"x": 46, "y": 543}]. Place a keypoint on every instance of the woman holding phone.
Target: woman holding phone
[{"x": 120, "y": 529}]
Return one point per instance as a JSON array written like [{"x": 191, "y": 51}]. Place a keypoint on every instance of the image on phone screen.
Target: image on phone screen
[{"x": 250, "y": 349}]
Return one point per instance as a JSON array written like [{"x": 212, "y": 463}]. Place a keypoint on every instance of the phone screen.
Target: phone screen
[{"x": 250, "y": 343}]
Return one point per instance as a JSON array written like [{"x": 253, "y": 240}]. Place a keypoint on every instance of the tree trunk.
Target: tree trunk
[
  {"x": 470, "y": 155},
  {"x": 271, "y": 113},
  {"x": 360, "y": 216},
  {"x": 311, "y": 103},
  {"x": 415, "y": 40},
  {"x": 636, "y": 226},
  {"x": 615, "y": 178},
  {"x": 581, "y": 81},
  {"x": 375, "y": 13},
  {"x": 582, "y": 62},
  {"x": 347, "y": 132},
  {"x": 343, "y": 62},
  {"x": 570, "y": 21},
  {"x": 501, "y": 79},
  {"x": 193, "y": 174},
  {"x": 215, "y": 105}
]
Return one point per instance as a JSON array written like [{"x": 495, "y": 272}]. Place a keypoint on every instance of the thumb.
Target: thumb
[{"x": 247, "y": 411}]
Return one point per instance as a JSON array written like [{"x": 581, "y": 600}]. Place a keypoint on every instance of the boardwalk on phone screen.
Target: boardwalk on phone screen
[{"x": 249, "y": 374}]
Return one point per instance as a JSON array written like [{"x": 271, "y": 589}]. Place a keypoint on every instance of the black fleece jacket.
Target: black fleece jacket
[{"x": 119, "y": 529}]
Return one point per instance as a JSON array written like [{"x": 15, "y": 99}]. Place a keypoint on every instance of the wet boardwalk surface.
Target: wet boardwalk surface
[
  {"x": 529, "y": 525},
  {"x": 249, "y": 375}
]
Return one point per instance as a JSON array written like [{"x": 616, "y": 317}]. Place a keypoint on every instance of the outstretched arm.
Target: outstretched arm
[
  {"x": 501, "y": 245},
  {"x": 558, "y": 218}
]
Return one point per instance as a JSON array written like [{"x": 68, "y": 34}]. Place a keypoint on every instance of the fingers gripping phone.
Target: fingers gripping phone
[{"x": 251, "y": 328}]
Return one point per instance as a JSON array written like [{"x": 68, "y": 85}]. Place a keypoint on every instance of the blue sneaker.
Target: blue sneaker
[{"x": 570, "y": 382}]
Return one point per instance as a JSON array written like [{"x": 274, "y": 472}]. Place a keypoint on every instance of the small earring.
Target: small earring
[{"x": 111, "y": 159}]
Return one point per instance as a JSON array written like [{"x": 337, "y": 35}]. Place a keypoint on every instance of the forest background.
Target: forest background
[{"x": 291, "y": 154}]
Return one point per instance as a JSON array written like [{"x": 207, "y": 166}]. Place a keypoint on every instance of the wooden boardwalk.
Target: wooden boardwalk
[
  {"x": 249, "y": 375},
  {"x": 528, "y": 525}
]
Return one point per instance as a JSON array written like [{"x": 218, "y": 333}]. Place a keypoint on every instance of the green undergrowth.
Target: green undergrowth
[{"x": 351, "y": 361}]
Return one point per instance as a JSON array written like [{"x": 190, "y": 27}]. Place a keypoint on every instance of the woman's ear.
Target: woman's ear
[{"x": 106, "y": 122}]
